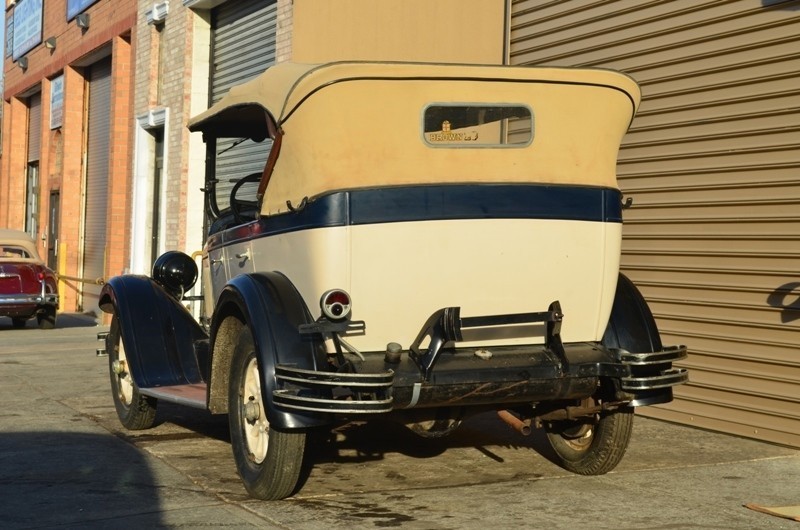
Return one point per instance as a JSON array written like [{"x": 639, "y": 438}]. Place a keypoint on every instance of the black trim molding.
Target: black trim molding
[{"x": 438, "y": 202}]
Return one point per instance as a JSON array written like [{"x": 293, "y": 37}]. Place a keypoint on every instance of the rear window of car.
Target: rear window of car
[
  {"x": 13, "y": 252},
  {"x": 477, "y": 125}
]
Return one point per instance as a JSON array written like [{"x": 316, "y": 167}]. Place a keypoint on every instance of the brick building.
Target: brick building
[
  {"x": 188, "y": 54},
  {"x": 66, "y": 135}
]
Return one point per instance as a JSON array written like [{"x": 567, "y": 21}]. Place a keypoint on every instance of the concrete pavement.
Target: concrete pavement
[{"x": 66, "y": 462}]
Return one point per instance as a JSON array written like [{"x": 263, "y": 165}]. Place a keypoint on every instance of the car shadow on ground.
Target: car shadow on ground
[
  {"x": 355, "y": 444},
  {"x": 362, "y": 442},
  {"x": 55, "y": 479},
  {"x": 365, "y": 441},
  {"x": 63, "y": 320}
]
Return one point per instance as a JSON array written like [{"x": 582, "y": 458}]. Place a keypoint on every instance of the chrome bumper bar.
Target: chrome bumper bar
[
  {"x": 351, "y": 393},
  {"x": 38, "y": 299},
  {"x": 651, "y": 371}
]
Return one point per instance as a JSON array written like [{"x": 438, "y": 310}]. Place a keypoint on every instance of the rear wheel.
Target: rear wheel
[
  {"x": 269, "y": 460},
  {"x": 593, "y": 445},
  {"x": 135, "y": 411},
  {"x": 47, "y": 318}
]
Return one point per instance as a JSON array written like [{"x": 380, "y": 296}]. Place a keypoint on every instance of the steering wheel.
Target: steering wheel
[{"x": 236, "y": 204}]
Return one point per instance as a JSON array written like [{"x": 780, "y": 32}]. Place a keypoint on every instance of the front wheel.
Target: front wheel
[
  {"x": 135, "y": 411},
  {"x": 592, "y": 446},
  {"x": 269, "y": 460}
]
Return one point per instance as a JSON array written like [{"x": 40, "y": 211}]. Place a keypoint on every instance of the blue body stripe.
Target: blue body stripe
[{"x": 438, "y": 202}]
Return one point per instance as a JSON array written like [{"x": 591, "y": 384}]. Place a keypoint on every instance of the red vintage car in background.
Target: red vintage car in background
[{"x": 27, "y": 287}]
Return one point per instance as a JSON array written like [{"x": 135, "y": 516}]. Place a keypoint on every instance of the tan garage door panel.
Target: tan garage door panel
[{"x": 713, "y": 165}]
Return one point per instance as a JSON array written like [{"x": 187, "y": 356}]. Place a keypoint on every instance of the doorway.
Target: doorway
[
  {"x": 32, "y": 200},
  {"x": 52, "y": 230},
  {"x": 158, "y": 168}
]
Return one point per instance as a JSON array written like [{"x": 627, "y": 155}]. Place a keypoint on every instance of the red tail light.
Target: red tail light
[
  {"x": 335, "y": 304},
  {"x": 40, "y": 276}
]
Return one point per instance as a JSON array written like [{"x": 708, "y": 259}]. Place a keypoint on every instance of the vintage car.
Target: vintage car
[
  {"x": 27, "y": 287},
  {"x": 419, "y": 242}
]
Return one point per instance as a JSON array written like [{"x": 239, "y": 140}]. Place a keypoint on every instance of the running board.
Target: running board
[{"x": 191, "y": 395}]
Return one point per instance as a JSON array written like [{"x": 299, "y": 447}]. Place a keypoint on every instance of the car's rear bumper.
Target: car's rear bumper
[
  {"x": 8, "y": 301},
  {"x": 439, "y": 376},
  {"x": 466, "y": 377}
]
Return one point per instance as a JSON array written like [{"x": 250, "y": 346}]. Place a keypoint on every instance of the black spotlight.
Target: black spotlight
[{"x": 175, "y": 271}]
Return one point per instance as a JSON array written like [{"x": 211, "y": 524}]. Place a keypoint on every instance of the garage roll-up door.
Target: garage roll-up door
[
  {"x": 97, "y": 160},
  {"x": 712, "y": 163},
  {"x": 32, "y": 168},
  {"x": 243, "y": 44},
  {"x": 34, "y": 127}
]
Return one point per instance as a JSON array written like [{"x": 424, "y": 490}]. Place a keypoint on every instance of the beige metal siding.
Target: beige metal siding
[
  {"x": 713, "y": 164},
  {"x": 98, "y": 144},
  {"x": 243, "y": 42},
  {"x": 447, "y": 31}
]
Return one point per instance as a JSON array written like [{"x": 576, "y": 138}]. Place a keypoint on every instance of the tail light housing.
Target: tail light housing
[{"x": 335, "y": 304}]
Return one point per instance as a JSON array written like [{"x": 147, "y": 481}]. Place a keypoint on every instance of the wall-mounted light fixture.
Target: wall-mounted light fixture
[
  {"x": 82, "y": 20},
  {"x": 157, "y": 13},
  {"x": 50, "y": 43},
  {"x": 23, "y": 63}
]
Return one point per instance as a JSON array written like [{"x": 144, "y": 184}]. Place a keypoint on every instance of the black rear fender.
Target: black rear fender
[
  {"x": 631, "y": 325},
  {"x": 633, "y": 334},
  {"x": 158, "y": 332},
  {"x": 273, "y": 309}
]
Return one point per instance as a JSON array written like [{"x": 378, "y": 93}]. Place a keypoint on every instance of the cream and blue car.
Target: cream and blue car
[{"x": 419, "y": 242}]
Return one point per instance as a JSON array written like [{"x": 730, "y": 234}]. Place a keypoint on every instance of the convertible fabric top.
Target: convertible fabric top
[
  {"x": 353, "y": 125},
  {"x": 284, "y": 86},
  {"x": 18, "y": 238}
]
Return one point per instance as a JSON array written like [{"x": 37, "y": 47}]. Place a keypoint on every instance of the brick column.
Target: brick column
[
  {"x": 15, "y": 159},
  {"x": 44, "y": 168},
  {"x": 5, "y": 181},
  {"x": 71, "y": 182},
  {"x": 119, "y": 171}
]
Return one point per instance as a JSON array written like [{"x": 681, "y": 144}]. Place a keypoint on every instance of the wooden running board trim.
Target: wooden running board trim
[{"x": 192, "y": 395}]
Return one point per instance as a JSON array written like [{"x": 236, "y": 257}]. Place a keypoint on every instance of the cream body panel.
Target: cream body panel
[
  {"x": 215, "y": 276},
  {"x": 222, "y": 264},
  {"x": 314, "y": 260},
  {"x": 238, "y": 258},
  {"x": 403, "y": 272},
  {"x": 398, "y": 274}
]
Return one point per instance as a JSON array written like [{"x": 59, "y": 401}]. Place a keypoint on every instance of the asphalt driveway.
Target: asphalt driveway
[{"x": 66, "y": 462}]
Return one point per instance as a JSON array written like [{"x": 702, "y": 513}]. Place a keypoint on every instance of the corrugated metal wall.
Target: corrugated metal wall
[
  {"x": 98, "y": 138},
  {"x": 243, "y": 42},
  {"x": 34, "y": 127},
  {"x": 712, "y": 162},
  {"x": 243, "y": 46}
]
